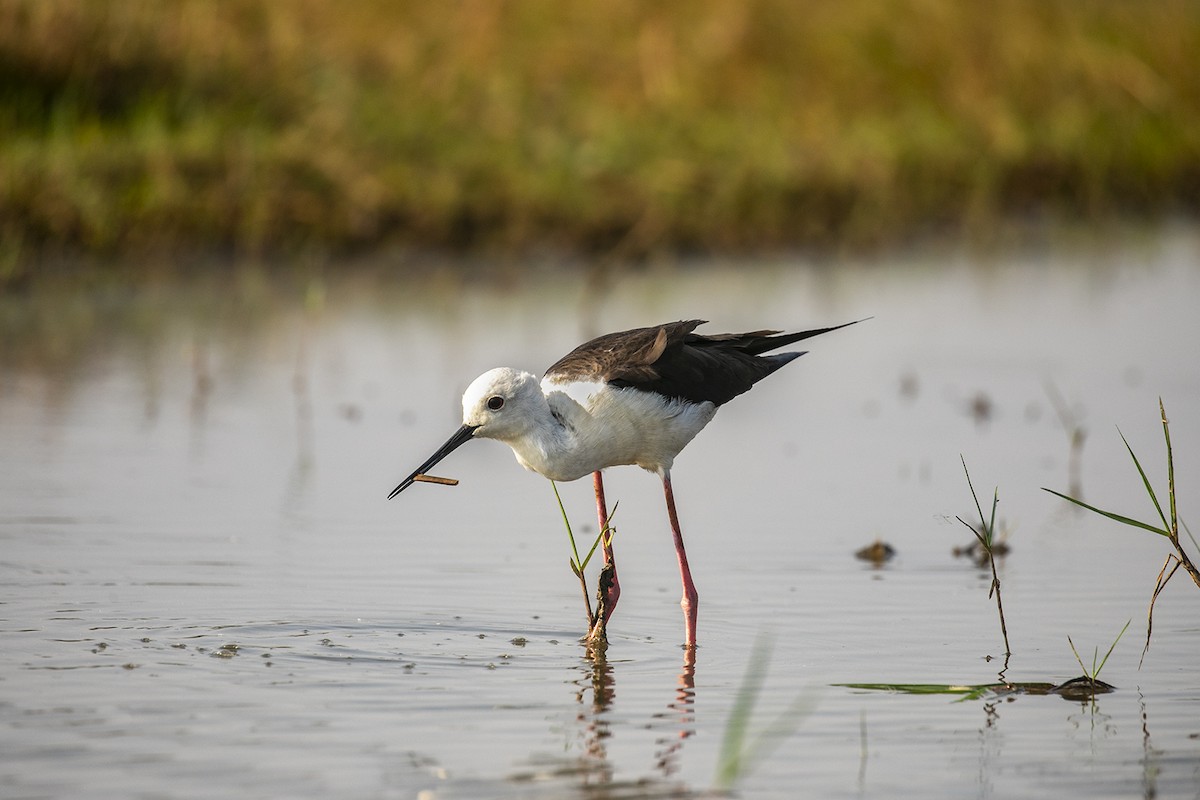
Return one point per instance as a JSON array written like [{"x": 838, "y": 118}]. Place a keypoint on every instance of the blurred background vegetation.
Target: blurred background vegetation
[{"x": 141, "y": 127}]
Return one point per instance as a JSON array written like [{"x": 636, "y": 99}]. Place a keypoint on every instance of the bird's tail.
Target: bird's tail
[{"x": 765, "y": 341}]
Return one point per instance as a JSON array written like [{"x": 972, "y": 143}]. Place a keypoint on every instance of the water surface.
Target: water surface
[{"x": 203, "y": 590}]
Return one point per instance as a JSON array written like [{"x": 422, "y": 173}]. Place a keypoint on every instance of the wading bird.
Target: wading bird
[{"x": 633, "y": 397}]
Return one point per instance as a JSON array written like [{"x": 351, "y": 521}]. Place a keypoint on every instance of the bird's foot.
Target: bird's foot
[
  {"x": 691, "y": 606},
  {"x": 598, "y": 635},
  {"x": 607, "y": 592}
]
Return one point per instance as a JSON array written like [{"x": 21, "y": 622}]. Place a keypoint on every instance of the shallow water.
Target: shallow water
[{"x": 203, "y": 590}]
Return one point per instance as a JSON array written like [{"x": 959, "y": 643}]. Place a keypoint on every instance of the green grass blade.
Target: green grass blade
[
  {"x": 1146, "y": 481},
  {"x": 1174, "y": 527},
  {"x": 962, "y": 693},
  {"x": 731, "y": 762},
  {"x": 1104, "y": 661},
  {"x": 914, "y": 688},
  {"x": 986, "y": 537},
  {"x": 1116, "y": 517},
  {"x": 1077, "y": 658},
  {"x": 978, "y": 535},
  {"x": 991, "y": 532},
  {"x": 739, "y": 754},
  {"x": 567, "y": 522},
  {"x": 592, "y": 551},
  {"x": 609, "y": 530}
]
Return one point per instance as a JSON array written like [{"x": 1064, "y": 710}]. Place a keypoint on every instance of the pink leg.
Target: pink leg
[
  {"x": 614, "y": 588},
  {"x": 691, "y": 601}
]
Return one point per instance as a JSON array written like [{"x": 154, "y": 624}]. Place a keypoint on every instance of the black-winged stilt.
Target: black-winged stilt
[{"x": 634, "y": 397}]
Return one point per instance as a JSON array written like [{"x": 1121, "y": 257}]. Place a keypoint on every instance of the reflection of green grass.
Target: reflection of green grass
[{"x": 626, "y": 126}]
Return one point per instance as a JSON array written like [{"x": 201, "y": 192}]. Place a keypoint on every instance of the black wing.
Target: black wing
[{"x": 673, "y": 361}]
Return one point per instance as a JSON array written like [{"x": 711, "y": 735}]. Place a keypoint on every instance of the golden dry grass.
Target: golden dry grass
[{"x": 627, "y": 126}]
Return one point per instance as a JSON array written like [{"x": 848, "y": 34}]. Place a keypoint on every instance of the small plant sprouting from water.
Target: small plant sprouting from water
[
  {"x": 1169, "y": 528},
  {"x": 1093, "y": 675},
  {"x": 986, "y": 535},
  {"x": 578, "y": 565}
]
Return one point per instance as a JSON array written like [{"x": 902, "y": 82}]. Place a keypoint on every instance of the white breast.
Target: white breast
[{"x": 602, "y": 426}]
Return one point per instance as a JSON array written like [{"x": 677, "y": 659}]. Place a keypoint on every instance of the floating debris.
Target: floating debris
[
  {"x": 878, "y": 552},
  {"x": 981, "y": 408},
  {"x": 1082, "y": 688},
  {"x": 976, "y": 553}
]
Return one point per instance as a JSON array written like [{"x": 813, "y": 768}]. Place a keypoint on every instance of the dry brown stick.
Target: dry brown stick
[{"x": 435, "y": 479}]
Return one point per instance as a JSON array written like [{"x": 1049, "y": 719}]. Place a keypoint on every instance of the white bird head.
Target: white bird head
[{"x": 501, "y": 404}]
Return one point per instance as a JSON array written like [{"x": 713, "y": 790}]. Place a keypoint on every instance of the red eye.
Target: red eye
[{"x": 495, "y": 402}]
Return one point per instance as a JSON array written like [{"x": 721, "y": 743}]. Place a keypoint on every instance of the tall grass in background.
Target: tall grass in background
[{"x": 620, "y": 127}]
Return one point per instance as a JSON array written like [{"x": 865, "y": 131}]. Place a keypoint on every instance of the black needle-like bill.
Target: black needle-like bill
[{"x": 460, "y": 436}]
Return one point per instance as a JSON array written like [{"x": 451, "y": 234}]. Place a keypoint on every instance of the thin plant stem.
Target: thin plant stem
[
  {"x": 576, "y": 566},
  {"x": 986, "y": 535},
  {"x": 1174, "y": 530},
  {"x": 1094, "y": 673},
  {"x": 579, "y": 565},
  {"x": 1159, "y": 585}
]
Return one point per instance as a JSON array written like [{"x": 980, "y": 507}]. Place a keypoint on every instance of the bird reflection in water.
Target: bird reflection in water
[{"x": 596, "y": 768}]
